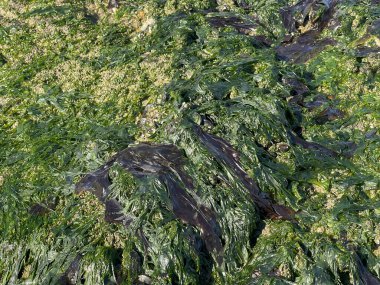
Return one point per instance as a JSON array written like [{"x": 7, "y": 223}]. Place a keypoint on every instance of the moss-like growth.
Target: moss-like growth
[{"x": 292, "y": 88}]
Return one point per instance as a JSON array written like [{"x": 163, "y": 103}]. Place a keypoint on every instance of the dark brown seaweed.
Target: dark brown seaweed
[
  {"x": 40, "y": 209},
  {"x": 227, "y": 155},
  {"x": 241, "y": 25},
  {"x": 297, "y": 87},
  {"x": 165, "y": 162},
  {"x": 366, "y": 51},
  {"x": 365, "y": 276},
  {"x": 70, "y": 276},
  {"x": 307, "y": 45},
  {"x": 316, "y": 102},
  {"x": 304, "y": 48},
  {"x": 311, "y": 145},
  {"x": 328, "y": 115}
]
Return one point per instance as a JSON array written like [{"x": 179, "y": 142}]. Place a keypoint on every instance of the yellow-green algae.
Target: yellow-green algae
[{"x": 80, "y": 82}]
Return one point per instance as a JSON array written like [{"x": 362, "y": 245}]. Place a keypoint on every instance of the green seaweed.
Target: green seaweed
[{"x": 80, "y": 82}]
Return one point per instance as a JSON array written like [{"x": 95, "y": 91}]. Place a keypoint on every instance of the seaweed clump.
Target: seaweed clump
[{"x": 189, "y": 142}]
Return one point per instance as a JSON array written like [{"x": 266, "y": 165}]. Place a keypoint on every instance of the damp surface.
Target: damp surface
[{"x": 189, "y": 142}]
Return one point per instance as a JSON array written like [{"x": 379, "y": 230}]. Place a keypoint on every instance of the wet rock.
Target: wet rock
[{"x": 328, "y": 115}]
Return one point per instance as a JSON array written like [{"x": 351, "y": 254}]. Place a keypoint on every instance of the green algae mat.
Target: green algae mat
[{"x": 190, "y": 142}]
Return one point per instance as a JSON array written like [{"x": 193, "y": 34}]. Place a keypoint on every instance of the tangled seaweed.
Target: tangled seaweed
[{"x": 189, "y": 142}]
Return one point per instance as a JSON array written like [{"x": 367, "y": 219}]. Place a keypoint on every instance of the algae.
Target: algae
[{"x": 194, "y": 125}]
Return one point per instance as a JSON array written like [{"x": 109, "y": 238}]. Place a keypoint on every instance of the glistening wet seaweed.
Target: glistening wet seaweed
[
  {"x": 225, "y": 153},
  {"x": 165, "y": 162},
  {"x": 261, "y": 103}
]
